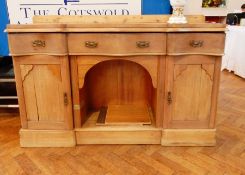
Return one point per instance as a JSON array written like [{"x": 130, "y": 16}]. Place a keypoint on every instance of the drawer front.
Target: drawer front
[
  {"x": 37, "y": 43},
  {"x": 127, "y": 43},
  {"x": 196, "y": 43}
]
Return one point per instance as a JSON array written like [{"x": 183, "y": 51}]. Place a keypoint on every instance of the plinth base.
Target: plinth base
[{"x": 47, "y": 138}]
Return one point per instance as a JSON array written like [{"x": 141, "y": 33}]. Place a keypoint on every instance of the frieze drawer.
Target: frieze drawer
[
  {"x": 38, "y": 43},
  {"x": 196, "y": 43},
  {"x": 117, "y": 44}
]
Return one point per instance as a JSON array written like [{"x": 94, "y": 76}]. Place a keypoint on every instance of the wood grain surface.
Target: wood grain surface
[{"x": 226, "y": 158}]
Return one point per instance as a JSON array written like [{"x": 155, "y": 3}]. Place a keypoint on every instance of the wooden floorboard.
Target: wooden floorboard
[{"x": 227, "y": 158}]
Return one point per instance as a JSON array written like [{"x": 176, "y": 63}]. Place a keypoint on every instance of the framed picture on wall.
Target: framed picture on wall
[{"x": 214, "y": 3}]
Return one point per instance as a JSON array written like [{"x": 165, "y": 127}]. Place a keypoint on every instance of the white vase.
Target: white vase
[{"x": 178, "y": 8}]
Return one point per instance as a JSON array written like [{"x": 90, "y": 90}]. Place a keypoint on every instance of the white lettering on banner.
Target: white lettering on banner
[{"x": 22, "y": 11}]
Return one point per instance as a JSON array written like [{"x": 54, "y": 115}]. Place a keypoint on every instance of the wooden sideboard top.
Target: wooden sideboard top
[{"x": 146, "y": 23}]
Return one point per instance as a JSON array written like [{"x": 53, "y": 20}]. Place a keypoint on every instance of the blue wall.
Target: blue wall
[
  {"x": 155, "y": 7},
  {"x": 3, "y": 36},
  {"x": 148, "y": 7}
]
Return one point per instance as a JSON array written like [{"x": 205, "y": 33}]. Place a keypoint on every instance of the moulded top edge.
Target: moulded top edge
[{"x": 115, "y": 28}]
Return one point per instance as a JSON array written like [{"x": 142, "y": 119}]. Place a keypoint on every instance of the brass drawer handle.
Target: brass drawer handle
[
  {"x": 143, "y": 44},
  {"x": 91, "y": 44},
  {"x": 196, "y": 43},
  {"x": 38, "y": 43}
]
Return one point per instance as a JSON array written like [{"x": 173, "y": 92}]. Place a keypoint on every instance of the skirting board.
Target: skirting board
[
  {"x": 119, "y": 137},
  {"x": 47, "y": 138},
  {"x": 188, "y": 137},
  {"x": 167, "y": 137}
]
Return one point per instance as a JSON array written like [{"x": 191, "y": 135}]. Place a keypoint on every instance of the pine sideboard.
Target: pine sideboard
[{"x": 117, "y": 80}]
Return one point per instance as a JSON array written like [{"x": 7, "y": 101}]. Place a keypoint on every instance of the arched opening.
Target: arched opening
[{"x": 117, "y": 92}]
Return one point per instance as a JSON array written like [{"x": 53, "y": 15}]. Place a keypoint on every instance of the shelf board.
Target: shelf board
[
  {"x": 8, "y": 97},
  {"x": 9, "y": 106},
  {"x": 91, "y": 125},
  {"x": 124, "y": 115},
  {"x": 128, "y": 114},
  {"x": 7, "y": 80}
]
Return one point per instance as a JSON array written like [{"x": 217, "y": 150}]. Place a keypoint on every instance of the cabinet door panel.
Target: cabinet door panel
[
  {"x": 46, "y": 88},
  {"x": 43, "y": 87},
  {"x": 190, "y": 85},
  {"x": 50, "y": 100},
  {"x": 27, "y": 79},
  {"x": 192, "y": 91}
]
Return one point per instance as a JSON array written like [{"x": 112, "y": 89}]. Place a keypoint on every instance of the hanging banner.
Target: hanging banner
[{"x": 22, "y": 11}]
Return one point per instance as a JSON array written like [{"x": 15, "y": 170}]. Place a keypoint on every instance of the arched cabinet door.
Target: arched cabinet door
[
  {"x": 43, "y": 86},
  {"x": 191, "y": 93}
]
